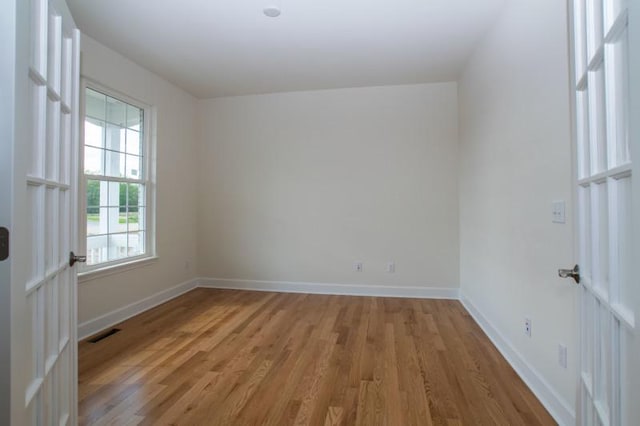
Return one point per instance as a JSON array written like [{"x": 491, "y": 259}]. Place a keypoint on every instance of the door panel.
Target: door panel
[
  {"x": 605, "y": 219},
  {"x": 43, "y": 285}
]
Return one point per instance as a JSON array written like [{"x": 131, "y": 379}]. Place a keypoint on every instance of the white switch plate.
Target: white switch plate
[
  {"x": 391, "y": 267},
  {"x": 357, "y": 266},
  {"x": 562, "y": 356},
  {"x": 558, "y": 214}
]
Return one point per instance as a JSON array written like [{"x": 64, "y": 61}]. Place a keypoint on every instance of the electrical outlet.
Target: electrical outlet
[
  {"x": 357, "y": 266},
  {"x": 391, "y": 267},
  {"x": 562, "y": 356},
  {"x": 558, "y": 212},
  {"x": 527, "y": 327}
]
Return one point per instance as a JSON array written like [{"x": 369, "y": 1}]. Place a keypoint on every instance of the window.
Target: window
[{"x": 117, "y": 201}]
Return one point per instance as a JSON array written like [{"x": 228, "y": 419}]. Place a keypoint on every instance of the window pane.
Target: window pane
[
  {"x": 95, "y": 196},
  {"x": 115, "y": 140},
  {"x": 96, "y": 220},
  {"x": 136, "y": 219},
  {"x": 135, "y": 197},
  {"x": 117, "y": 194},
  {"x": 96, "y": 249},
  {"x": 95, "y": 104},
  {"x": 117, "y": 246},
  {"x": 134, "y": 167},
  {"x": 117, "y": 220},
  {"x": 93, "y": 161},
  {"x": 114, "y": 164},
  {"x": 136, "y": 243},
  {"x": 134, "y": 117},
  {"x": 116, "y": 111},
  {"x": 133, "y": 142},
  {"x": 94, "y": 132}
]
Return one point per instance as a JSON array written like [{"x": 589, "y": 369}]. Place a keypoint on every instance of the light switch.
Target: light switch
[{"x": 558, "y": 212}]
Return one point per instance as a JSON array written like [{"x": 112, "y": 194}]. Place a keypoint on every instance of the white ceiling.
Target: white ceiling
[{"x": 228, "y": 47}]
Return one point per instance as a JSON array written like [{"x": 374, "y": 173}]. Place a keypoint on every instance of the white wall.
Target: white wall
[
  {"x": 515, "y": 157},
  {"x": 176, "y": 182},
  {"x": 297, "y": 186}
]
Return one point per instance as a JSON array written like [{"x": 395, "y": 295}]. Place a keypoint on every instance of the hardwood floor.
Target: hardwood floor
[{"x": 226, "y": 357}]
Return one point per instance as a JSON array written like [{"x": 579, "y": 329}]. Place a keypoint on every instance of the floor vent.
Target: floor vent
[{"x": 104, "y": 335}]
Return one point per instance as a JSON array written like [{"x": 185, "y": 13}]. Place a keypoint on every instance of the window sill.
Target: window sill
[{"x": 115, "y": 269}]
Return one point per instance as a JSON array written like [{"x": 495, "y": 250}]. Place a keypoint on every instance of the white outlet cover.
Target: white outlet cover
[
  {"x": 391, "y": 267},
  {"x": 558, "y": 212}
]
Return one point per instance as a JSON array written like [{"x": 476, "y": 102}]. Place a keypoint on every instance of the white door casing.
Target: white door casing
[
  {"x": 606, "y": 145},
  {"x": 633, "y": 369},
  {"x": 7, "y": 77},
  {"x": 44, "y": 215}
]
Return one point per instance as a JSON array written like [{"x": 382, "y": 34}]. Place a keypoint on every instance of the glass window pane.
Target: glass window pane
[
  {"x": 95, "y": 104},
  {"x": 134, "y": 167},
  {"x": 94, "y": 195},
  {"x": 600, "y": 237},
  {"x": 117, "y": 246},
  {"x": 597, "y": 130},
  {"x": 135, "y": 197},
  {"x": 114, "y": 164},
  {"x": 97, "y": 220},
  {"x": 624, "y": 248},
  {"x": 97, "y": 249},
  {"x": 133, "y": 142},
  {"x": 117, "y": 194},
  {"x": 617, "y": 91},
  {"x": 134, "y": 117},
  {"x": 93, "y": 161},
  {"x": 117, "y": 220},
  {"x": 136, "y": 219},
  {"x": 115, "y": 139},
  {"x": 94, "y": 132},
  {"x": 136, "y": 243},
  {"x": 116, "y": 111}
]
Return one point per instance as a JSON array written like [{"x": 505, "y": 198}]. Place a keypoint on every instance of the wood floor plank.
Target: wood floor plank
[{"x": 229, "y": 357}]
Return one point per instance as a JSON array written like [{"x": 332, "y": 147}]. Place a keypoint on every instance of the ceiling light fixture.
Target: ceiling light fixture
[{"x": 271, "y": 11}]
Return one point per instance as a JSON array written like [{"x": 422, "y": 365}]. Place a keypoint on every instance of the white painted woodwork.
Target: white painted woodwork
[
  {"x": 43, "y": 286},
  {"x": 605, "y": 175}
]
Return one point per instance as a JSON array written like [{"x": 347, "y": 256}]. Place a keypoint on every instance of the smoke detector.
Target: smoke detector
[{"x": 271, "y": 11}]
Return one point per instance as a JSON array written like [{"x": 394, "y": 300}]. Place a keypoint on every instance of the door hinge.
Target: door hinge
[{"x": 4, "y": 243}]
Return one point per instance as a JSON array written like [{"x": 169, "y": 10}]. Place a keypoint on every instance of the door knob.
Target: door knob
[
  {"x": 73, "y": 258},
  {"x": 570, "y": 273}
]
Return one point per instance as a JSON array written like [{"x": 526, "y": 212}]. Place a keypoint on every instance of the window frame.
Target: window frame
[{"x": 88, "y": 272}]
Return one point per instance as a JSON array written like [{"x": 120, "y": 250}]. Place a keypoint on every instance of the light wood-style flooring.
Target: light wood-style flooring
[{"x": 226, "y": 357}]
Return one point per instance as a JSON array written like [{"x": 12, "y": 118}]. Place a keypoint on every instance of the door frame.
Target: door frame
[
  {"x": 7, "y": 98},
  {"x": 634, "y": 142},
  {"x": 577, "y": 308}
]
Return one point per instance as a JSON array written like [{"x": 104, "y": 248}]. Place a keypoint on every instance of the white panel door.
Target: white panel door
[
  {"x": 607, "y": 189},
  {"x": 44, "y": 220}
]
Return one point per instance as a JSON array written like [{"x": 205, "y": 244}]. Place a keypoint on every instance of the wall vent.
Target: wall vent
[{"x": 104, "y": 335}]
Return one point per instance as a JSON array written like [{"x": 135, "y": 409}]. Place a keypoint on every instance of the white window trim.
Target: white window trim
[{"x": 91, "y": 272}]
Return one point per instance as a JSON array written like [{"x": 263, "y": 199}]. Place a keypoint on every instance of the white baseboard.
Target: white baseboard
[
  {"x": 95, "y": 325},
  {"x": 559, "y": 409},
  {"x": 102, "y": 322},
  {"x": 338, "y": 289}
]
